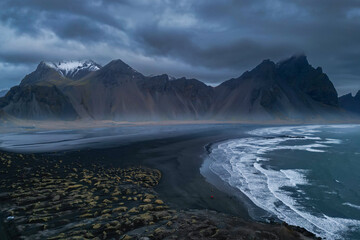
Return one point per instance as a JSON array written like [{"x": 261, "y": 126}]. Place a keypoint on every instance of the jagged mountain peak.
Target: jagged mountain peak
[
  {"x": 3, "y": 92},
  {"x": 115, "y": 73},
  {"x": 119, "y": 66},
  {"x": 350, "y": 103},
  {"x": 299, "y": 73},
  {"x": 164, "y": 75},
  {"x": 297, "y": 60},
  {"x": 357, "y": 96},
  {"x": 118, "y": 62},
  {"x": 116, "y": 91},
  {"x": 161, "y": 76},
  {"x": 72, "y": 69},
  {"x": 348, "y": 95},
  {"x": 293, "y": 66},
  {"x": 265, "y": 67}
]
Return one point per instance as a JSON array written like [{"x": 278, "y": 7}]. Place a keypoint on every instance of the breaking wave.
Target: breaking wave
[{"x": 242, "y": 163}]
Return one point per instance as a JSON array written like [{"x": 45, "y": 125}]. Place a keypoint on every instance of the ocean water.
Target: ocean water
[{"x": 307, "y": 176}]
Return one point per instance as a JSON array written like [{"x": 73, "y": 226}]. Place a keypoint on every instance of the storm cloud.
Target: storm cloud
[{"x": 209, "y": 40}]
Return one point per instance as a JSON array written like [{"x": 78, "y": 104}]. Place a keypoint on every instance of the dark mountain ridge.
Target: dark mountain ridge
[
  {"x": 3, "y": 92},
  {"x": 350, "y": 103},
  {"x": 288, "y": 90},
  {"x": 60, "y": 73},
  {"x": 37, "y": 102},
  {"x": 43, "y": 75}
]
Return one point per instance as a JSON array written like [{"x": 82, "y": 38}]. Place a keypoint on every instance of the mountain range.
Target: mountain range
[
  {"x": 3, "y": 92},
  {"x": 289, "y": 90},
  {"x": 350, "y": 103}
]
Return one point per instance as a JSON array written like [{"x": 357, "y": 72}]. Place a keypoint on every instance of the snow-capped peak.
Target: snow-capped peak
[
  {"x": 3, "y": 91},
  {"x": 171, "y": 78},
  {"x": 74, "y": 69}
]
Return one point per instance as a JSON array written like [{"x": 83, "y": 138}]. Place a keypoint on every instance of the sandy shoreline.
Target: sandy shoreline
[
  {"x": 178, "y": 155},
  {"x": 179, "y": 158},
  {"x": 255, "y": 213},
  {"x": 16, "y": 125},
  {"x": 186, "y": 183}
]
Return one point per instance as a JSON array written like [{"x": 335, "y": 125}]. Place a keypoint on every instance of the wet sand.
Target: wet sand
[
  {"x": 179, "y": 159},
  {"x": 183, "y": 187}
]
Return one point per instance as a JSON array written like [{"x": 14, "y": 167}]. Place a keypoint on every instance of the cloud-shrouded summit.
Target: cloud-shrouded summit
[{"x": 208, "y": 40}]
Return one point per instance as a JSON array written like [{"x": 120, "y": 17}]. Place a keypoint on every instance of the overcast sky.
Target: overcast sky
[{"x": 209, "y": 40}]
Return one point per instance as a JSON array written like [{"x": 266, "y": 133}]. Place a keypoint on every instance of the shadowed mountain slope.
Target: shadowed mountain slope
[
  {"x": 350, "y": 103},
  {"x": 37, "y": 102},
  {"x": 291, "y": 89},
  {"x": 3, "y": 92},
  {"x": 288, "y": 90},
  {"x": 119, "y": 92}
]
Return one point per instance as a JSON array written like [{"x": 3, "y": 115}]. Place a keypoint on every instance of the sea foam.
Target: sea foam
[
  {"x": 352, "y": 205},
  {"x": 241, "y": 163}
]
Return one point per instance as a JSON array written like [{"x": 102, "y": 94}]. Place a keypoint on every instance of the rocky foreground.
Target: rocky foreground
[{"x": 44, "y": 197}]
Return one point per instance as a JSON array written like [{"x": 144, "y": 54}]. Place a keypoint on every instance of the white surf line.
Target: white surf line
[
  {"x": 272, "y": 144},
  {"x": 351, "y": 205},
  {"x": 294, "y": 209}
]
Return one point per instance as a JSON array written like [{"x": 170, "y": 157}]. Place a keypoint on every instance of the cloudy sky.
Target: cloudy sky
[{"x": 209, "y": 40}]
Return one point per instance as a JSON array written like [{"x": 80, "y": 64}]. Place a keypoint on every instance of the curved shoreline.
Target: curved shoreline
[
  {"x": 236, "y": 162},
  {"x": 182, "y": 185},
  {"x": 256, "y": 213}
]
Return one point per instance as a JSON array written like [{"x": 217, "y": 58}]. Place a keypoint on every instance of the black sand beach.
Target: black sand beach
[
  {"x": 179, "y": 158},
  {"x": 182, "y": 186}
]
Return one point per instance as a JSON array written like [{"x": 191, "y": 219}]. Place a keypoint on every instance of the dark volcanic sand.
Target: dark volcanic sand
[
  {"x": 182, "y": 186},
  {"x": 179, "y": 159}
]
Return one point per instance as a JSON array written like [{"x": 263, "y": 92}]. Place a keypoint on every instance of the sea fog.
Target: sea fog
[{"x": 35, "y": 141}]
